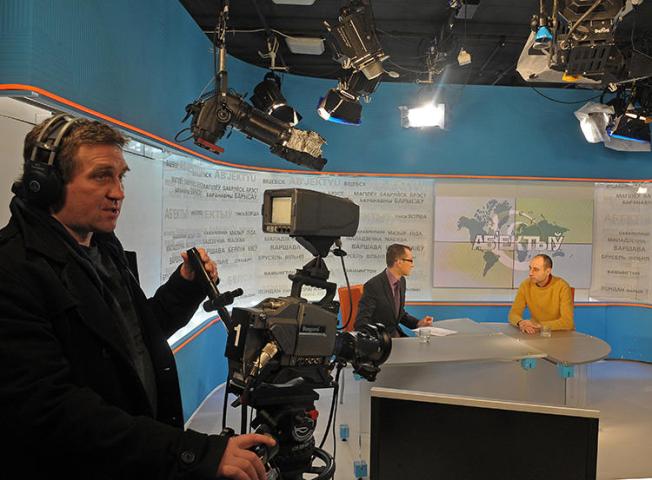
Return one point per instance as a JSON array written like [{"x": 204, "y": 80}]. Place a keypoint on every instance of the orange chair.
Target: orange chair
[{"x": 349, "y": 303}]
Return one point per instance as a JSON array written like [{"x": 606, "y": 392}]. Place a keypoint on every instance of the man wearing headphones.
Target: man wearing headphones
[{"x": 88, "y": 383}]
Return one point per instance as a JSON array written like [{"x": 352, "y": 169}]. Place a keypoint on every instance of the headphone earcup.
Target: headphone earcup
[{"x": 43, "y": 184}]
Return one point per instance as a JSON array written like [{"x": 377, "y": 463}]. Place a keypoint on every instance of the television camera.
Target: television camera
[{"x": 283, "y": 349}]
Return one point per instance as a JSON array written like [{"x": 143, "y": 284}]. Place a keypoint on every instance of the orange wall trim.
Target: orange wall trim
[
  {"x": 21, "y": 89},
  {"x": 195, "y": 335}
]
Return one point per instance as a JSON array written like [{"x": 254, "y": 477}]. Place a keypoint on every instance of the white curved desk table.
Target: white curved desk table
[{"x": 491, "y": 360}]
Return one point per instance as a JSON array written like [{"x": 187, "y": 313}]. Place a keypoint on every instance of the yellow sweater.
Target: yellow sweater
[{"x": 551, "y": 305}]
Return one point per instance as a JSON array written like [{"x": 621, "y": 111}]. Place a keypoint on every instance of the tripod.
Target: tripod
[{"x": 287, "y": 412}]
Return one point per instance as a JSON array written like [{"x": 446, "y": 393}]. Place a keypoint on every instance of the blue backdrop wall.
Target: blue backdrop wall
[{"x": 142, "y": 62}]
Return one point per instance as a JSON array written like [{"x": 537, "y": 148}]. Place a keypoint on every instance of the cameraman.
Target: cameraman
[{"x": 88, "y": 383}]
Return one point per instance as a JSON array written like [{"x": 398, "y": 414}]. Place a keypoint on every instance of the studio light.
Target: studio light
[
  {"x": 542, "y": 38},
  {"x": 629, "y": 128},
  {"x": 268, "y": 98},
  {"x": 342, "y": 104},
  {"x": 427, "y": 115},
  {"x": 339, "y": 107},
  {"x": 594, "y": 119},
  {"x": 357, "y": 48},
  {"x": 618, "y": 124},
  {"x": 213, "y": 113},
  {"x": 632, "y": 127},
  {"x": 356, "y": 41},
  {"x": 211, "y": 117}
]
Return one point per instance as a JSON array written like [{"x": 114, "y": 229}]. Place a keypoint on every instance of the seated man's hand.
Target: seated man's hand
[
  {"x": 528, "y": 326},
  {"x": 188, "y": 273},
  {"x": 240, "y": 463},
  {"x": 425, "y": 321}
]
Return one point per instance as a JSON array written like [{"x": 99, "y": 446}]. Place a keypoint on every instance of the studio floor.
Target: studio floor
[{"x": 620, "y": 390}]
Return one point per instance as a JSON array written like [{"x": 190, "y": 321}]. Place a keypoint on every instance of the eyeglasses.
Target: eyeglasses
[{"x": 411, "y": 260}]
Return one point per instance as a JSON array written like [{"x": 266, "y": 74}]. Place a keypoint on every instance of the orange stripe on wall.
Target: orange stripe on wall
[
  {"x": 30, "y": 88},
  {"x": 195, "y": 335}
]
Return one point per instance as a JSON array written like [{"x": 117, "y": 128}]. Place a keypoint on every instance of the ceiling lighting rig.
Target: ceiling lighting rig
[
  {"x": 358, "y": 49},
  {"x": 212, "y": 114},
  {"x": 576, "y": 43}
]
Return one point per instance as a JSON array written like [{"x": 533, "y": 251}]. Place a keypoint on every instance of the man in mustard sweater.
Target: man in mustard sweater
[{"x": 548, "y": 298}]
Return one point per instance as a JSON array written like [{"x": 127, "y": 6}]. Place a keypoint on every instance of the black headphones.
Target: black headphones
[{"x": 42, "y": 181}]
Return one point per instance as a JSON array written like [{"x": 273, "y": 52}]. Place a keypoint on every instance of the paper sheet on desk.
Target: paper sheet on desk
[{"x": 435, "y": 331}]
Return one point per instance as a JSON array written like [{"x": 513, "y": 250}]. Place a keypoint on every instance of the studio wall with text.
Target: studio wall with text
[{"x": 471, "y": 239}]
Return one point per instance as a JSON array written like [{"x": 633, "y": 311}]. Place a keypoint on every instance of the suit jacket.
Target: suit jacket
[
  {"x": 377, "y": 306},
  {"x": 71, "y": 402}
]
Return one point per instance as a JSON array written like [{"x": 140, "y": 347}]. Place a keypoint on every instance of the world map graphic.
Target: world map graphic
[{"x": 497, "y": 229}]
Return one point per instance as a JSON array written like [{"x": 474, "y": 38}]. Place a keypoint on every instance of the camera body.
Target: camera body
[
  {"x": 304, "y": 334},
  {"x": 287, "y": 340}
]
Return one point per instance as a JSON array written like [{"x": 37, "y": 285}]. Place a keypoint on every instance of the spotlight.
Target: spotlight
[
  {"x": 586, "y": 38},
  {"x": 629, "y": 129},
  {"x": 594, "y": 118},
  {"x": 212, "y": 114},
  {"x": 356, "y": 41},
  {"x": 211, "y": 117},
  {"x": 542, "y": 38},
  {"x": 539, "y": 25},
  {"x": 338, "y": 107},
  {"x": 268, "y": 98},
  {"x": 633, "y": 127},
  {"x": 342, "y": 104},
  {"x": 619, "y": 128},
  {"x": 427, "y": 115}
]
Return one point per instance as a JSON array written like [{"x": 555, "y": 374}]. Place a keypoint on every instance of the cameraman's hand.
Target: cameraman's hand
[
  {"x": 188, "y": 273},
  {"x": 242, "y": 464}
]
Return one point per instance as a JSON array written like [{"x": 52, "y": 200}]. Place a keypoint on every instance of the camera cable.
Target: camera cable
[{"x": 338, "y": 252}]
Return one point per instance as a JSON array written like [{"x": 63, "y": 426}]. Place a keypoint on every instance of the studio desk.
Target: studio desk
[{"x": 493, "y": 360}]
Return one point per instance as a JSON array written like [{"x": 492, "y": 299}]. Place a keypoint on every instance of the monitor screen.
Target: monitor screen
[
  {"x": 423, "y": 435},
  {"x": 282, "y": 210}
]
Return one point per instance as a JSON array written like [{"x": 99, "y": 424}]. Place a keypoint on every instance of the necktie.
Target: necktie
[{"x": 397, "y": 298}]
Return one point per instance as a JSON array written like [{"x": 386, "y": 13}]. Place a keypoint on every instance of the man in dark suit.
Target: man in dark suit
[{"x": 383, "y": 298}]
